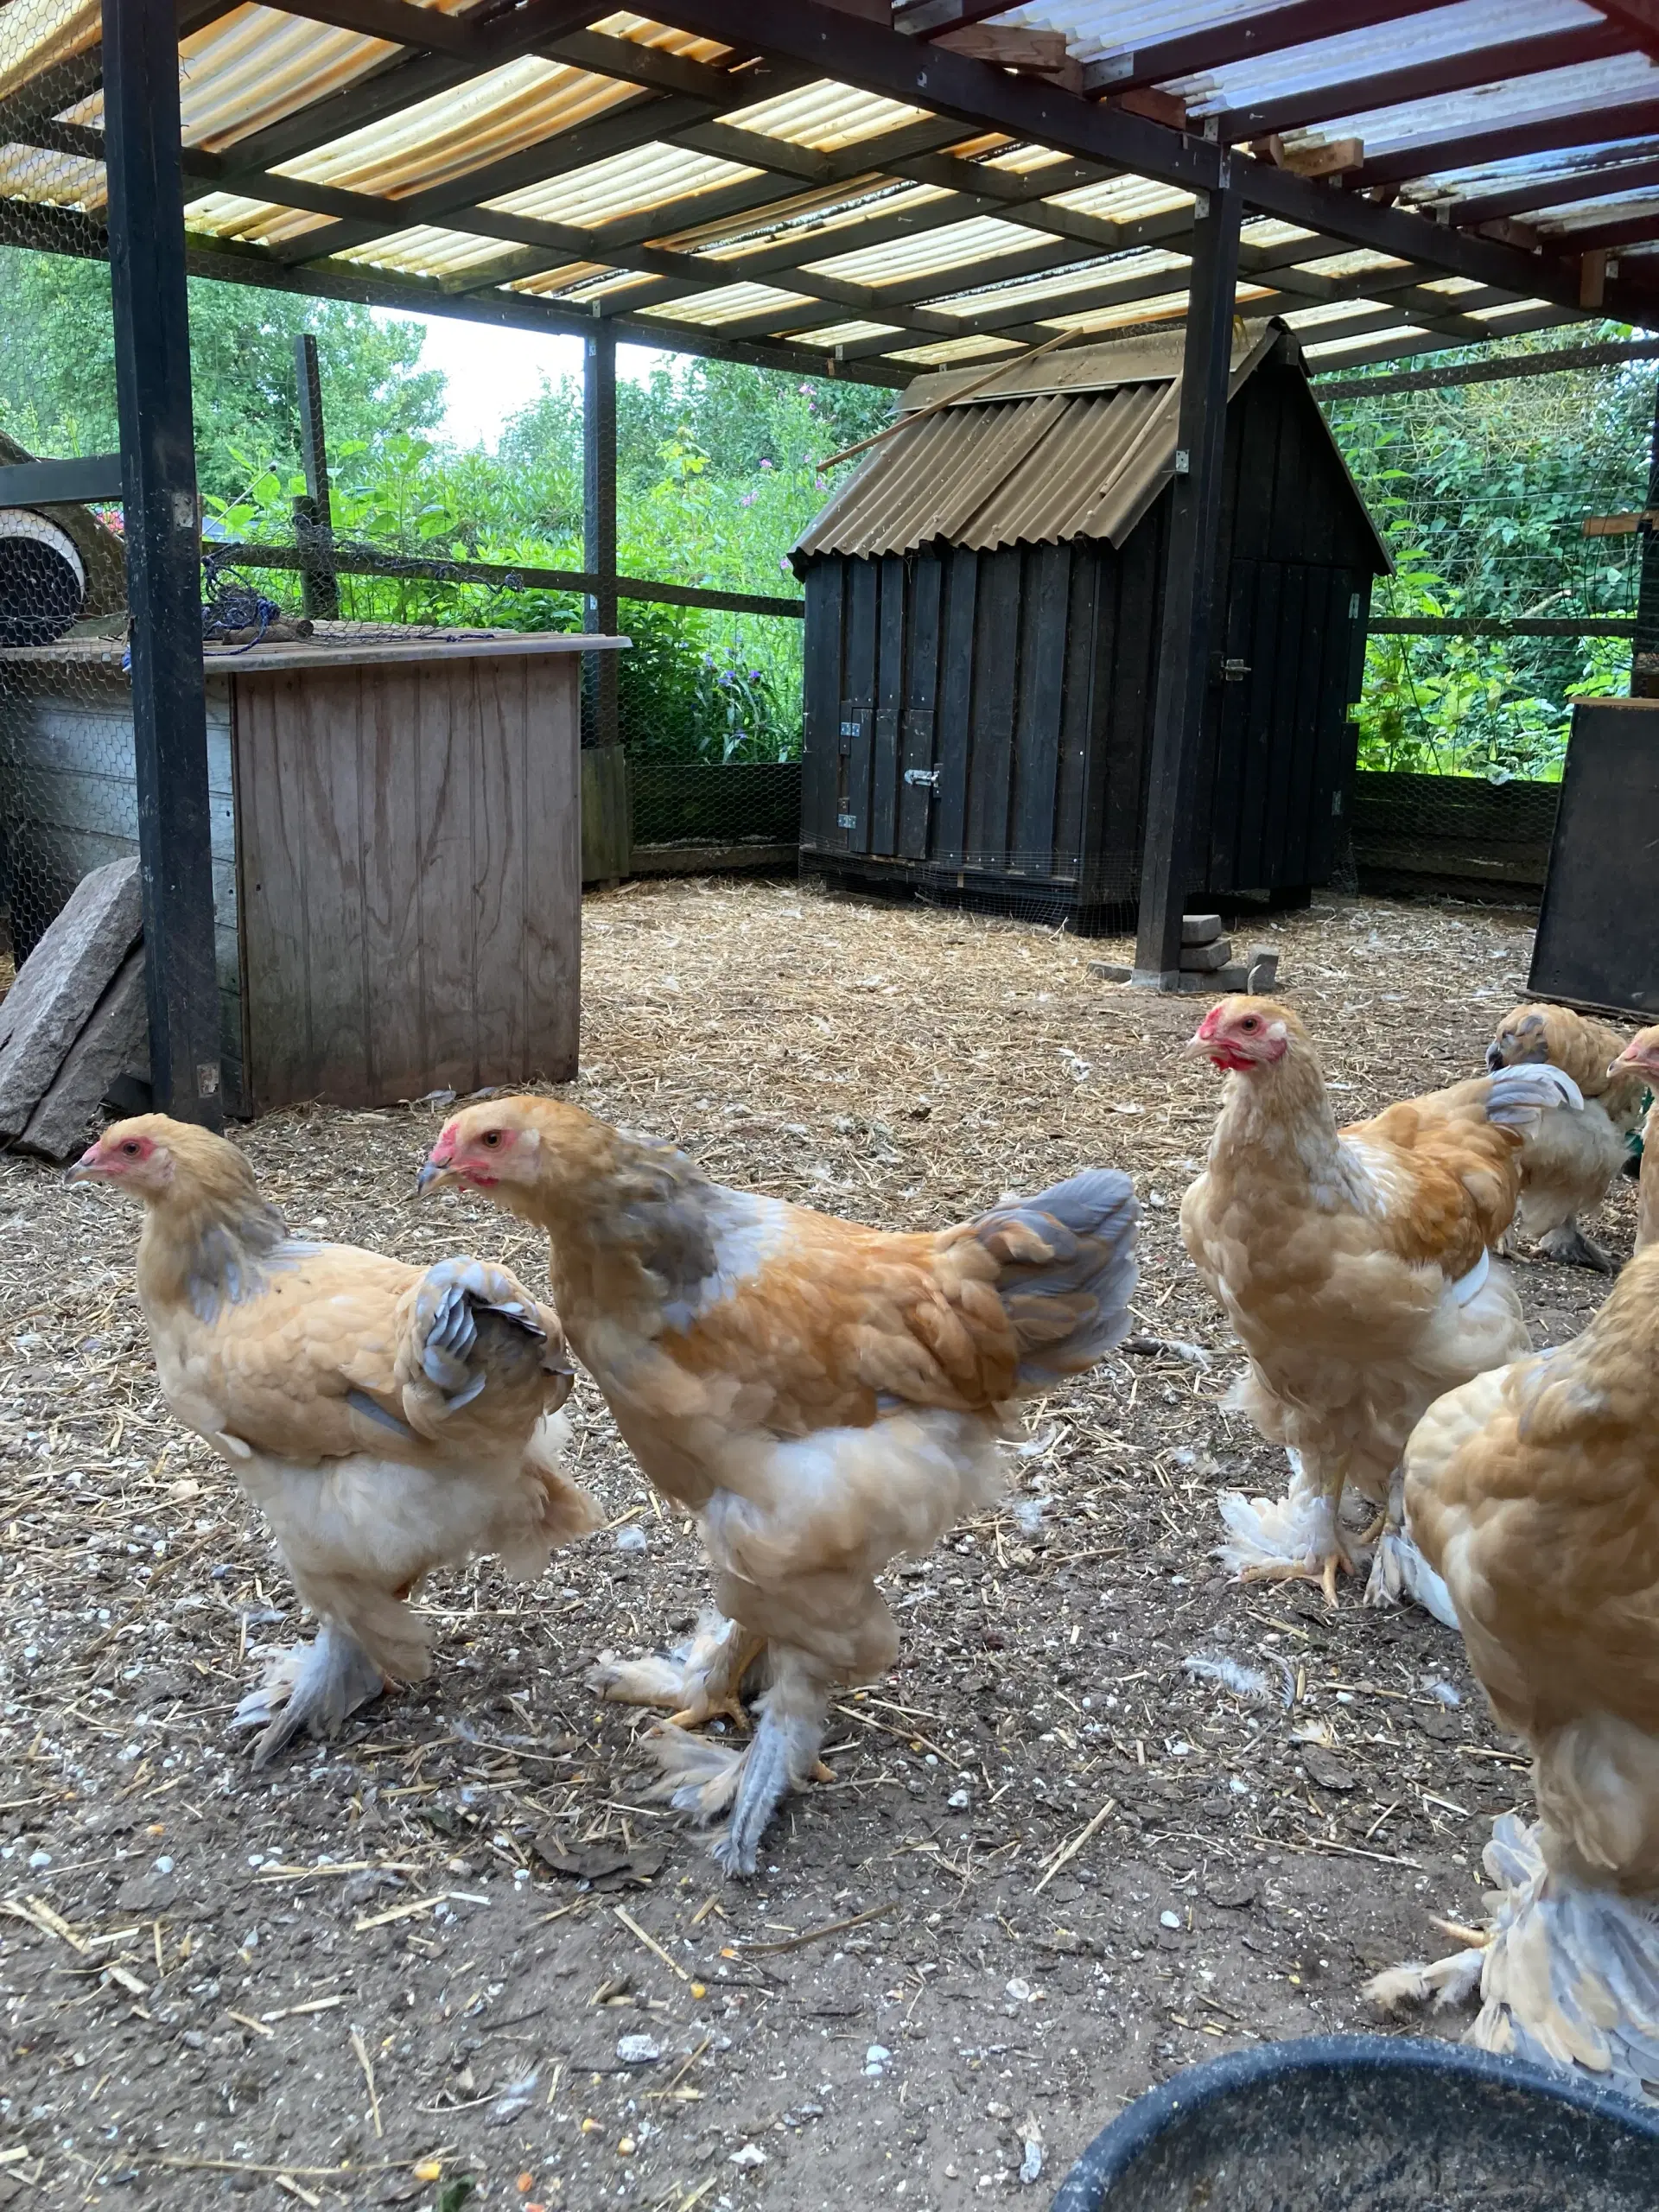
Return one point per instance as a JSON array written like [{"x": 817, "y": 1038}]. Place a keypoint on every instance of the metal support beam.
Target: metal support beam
[
  {"x": 312, "y": 514},
  {"x": 599, "y": 522},
  {"x": 1190, "y": 587},
  {"x": 163, "y": 531},
  {"x": 1644, "y": 657}
]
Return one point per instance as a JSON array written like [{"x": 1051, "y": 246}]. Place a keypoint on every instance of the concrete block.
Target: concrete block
[
  {"x": 1200, "y": 928},
  {"x": 113, "y": 1045},
  {"x": 1206, "y": 959},
  {"x": 1262, "y": 966},
  {"x": 59, "y": 985},
  {"x": 1109, "y": 972}
]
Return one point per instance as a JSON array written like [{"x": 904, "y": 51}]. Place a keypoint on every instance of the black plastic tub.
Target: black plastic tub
[{"x": 1370, "y": 2124}]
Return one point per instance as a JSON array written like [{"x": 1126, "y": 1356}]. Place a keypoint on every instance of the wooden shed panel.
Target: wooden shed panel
[
  {"x": 962, "y": 581},
  {"x": 271, "y": 808},
  {"x": 917, "y": 799},
  {"x": 1044, "y": 598},
  {"x": 889, "y": 705},
  {"x": 391, "y": 884},
  {"x": 322, "y": 736},
  {"x": 858, "y": 706},
  {"x": 1337, "y": 738},
  {"x": 996, "y": 675},
  {"x": 1227, "y": 756},
  {"x": 821, "y": 703},
  {"x": 1077, "y": 709},
  {"x": 550, "y": 953},
  {"x": 445, "y": 737},
  {"x": 501, "y": 823}
]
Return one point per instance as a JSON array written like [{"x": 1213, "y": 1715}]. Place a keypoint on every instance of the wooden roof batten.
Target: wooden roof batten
[{"x": 682, "y": 102}]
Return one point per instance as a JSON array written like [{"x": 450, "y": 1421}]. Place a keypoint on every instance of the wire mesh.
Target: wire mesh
[{"x": 1483, "y": 492}]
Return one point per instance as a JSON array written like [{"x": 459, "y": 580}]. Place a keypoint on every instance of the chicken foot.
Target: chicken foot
[
  {"x": 699, "y": 1681},
  {"x": 314, "y": 1687},
  {"x": 1569, "y": 1247},
  {"x": 706, "y": 1778},
  {"x": 1298, "y": 1539}
]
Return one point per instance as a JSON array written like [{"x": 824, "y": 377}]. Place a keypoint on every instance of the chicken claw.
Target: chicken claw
[
  {"x": 1324, "y": 1571},
  {"x": 698, "y": 1680},
  {"x": 313, "y": 1687},
  {"x": 713, "y": 1708}
]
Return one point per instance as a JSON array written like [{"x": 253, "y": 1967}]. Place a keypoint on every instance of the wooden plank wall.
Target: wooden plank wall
[
  {"x": 70, "y": 804},
  {"x": 410, "y": 851}
]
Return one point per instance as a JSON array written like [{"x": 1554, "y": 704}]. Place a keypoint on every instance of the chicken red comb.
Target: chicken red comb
[
  {"x": 1211, "y": 1023},
  {"x": 444, "y": 1151}
]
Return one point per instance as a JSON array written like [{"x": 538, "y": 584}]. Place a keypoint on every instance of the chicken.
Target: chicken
[
  {"x": 386, "y": 1421},
  {"x": 1641, "y": 1056},
  {"x": 1354, "y": 1265},
  {"x": 821, "y": 1397},
  {"x": 1569, "y": 1160},
  {"x": 1535, "y": 1491}
]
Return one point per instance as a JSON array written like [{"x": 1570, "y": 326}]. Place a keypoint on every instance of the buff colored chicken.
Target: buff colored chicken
[
  {"x": 386, "y": 1421},
  {"x": 1570, "y": 1159},
  {"x": 823, "y": 1396},
  {"x": 1355, "y": 1267},
  {"x": 1535, "y": 1491},
  {"x": 1641, "y": 1056}
]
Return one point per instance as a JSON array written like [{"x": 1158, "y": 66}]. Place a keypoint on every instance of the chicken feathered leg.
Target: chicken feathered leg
[{"x": 315, "y": 1687}]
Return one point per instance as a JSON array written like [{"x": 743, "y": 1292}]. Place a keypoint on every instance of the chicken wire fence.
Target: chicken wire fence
[{"x": 1483, "y": 491}]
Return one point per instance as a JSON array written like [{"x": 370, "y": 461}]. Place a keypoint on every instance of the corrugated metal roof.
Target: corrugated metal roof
[{"x": 1077, "y": 445}]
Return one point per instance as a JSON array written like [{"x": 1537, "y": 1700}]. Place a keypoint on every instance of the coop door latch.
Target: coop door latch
[{"x": 926, "y": 780}]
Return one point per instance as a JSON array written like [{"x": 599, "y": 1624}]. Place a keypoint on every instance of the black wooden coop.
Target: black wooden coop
[{"x": 982, "y": 610}]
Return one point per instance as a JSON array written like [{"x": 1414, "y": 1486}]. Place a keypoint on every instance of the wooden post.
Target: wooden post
[
  {"x": 163, "y": 526},
  {"x": 598, "y": 523},
  {"x": 312, "y": 517},
  {"x": 1644, "y": 653},
  {"x": 1167, "y": 857}
]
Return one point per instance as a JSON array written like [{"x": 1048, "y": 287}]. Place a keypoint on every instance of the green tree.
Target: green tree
[{"x": 57, "y": 369}]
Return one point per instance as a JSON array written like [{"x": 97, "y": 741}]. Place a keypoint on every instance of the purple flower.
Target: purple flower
[
  {"x": 747, "y": 499},
  {"x": 766, "y": 464}
]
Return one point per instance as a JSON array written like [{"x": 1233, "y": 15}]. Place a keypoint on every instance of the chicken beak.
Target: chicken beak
[
  {"x": 87, "y": 1169},
  {"x": 433, "y": 1176}
]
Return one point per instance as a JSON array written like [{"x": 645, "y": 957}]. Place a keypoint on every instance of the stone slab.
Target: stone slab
[
  {"x": 60, "y": 984},
  {"x": 1206, "y": 959},
  {"x": 113, "y": 1043},
  {"x": 1200, "y": 928}
]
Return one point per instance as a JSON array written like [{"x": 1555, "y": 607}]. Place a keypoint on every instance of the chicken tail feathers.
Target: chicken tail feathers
[
  {"x": 1067, "y": 1271},
  {"x": 1518, "y": 1096}
]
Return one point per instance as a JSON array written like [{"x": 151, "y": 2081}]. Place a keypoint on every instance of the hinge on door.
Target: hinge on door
[
  {"x": 928, "y": 778},
  {"x": 1235, "y": 671}
]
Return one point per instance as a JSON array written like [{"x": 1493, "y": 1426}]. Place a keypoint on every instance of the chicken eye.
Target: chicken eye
[
  {"x": 490, "y": 1137},
  {"x": 1249, "y": 1023},
  {"x": 130, "y": 1149}
]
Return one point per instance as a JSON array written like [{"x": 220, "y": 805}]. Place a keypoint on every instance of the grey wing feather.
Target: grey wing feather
[
  {"x": 453, "y": 1297},
  {"x": 1070, "y": 1308}
]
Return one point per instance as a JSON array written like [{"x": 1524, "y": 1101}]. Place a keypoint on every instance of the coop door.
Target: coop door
[{"x": 854, "y": 740}]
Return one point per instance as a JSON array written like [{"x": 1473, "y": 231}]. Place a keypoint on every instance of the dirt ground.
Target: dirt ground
[{"x": 459, "y": 1953}]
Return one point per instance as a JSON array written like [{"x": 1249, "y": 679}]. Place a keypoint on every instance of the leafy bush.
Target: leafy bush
[{"x": 1481, "y": 492}]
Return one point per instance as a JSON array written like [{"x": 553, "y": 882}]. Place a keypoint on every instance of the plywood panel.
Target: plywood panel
[
  {"x": 410, "y": 850},
  {"x": 501, "y": 1037},
  {"x": 320, "y": 746},
  {"x": 272, "y": 871},
  {"x": 550, "y": 936},
  {"x": 391, "y": 817}
]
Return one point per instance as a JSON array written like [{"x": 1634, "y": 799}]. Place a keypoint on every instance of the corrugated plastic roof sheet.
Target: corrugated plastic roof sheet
[
  {"x": 1073, "y": 446},
  {"x": 895, "y": 234}
]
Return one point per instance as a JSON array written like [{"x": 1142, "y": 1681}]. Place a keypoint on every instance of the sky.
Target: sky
[{"x": 493, "y": 373}]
